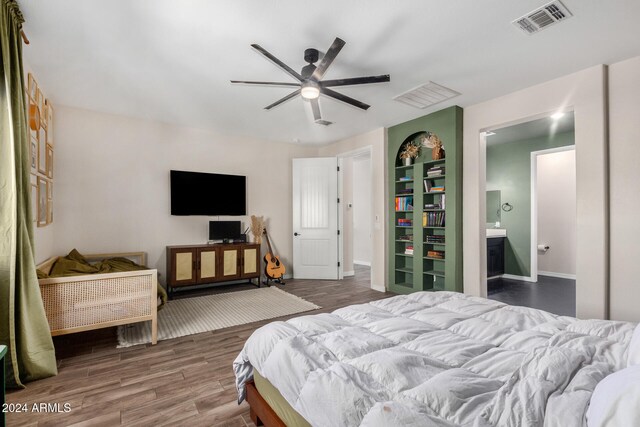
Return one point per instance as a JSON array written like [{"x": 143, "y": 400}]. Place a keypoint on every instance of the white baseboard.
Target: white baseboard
[
  {"x": 367, "y": 263},
  {"x": 559, "y": 275},
  {"x": 514, "y": 277},
  {"x": 379, "y": 288},
  {"x": 348, "y": 273}
]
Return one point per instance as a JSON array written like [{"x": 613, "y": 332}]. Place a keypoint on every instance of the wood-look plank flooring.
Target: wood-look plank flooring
[{"x": 185, "y": 381}]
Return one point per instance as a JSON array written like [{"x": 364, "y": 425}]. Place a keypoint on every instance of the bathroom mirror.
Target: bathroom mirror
[{"x": 493, "y": 207}]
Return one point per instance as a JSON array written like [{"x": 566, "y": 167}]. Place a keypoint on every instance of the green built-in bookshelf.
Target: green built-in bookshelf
[{"x": 425, "y": 243}]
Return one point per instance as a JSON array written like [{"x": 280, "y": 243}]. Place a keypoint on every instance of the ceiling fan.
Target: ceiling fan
[{"x": 309, "y": 81}]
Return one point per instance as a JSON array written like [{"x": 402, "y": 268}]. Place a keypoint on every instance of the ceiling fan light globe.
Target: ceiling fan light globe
[{"x": 310, "y": 92}]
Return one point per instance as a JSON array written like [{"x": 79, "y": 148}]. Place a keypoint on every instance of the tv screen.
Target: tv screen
[
  {"x": 221, "y": 230},
  {"x": 197, "y": 193}
]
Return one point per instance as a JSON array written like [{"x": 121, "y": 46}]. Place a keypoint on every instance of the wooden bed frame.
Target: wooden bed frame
[
  {"x": 92, "y": 301},
  {"x": 259, "y": 410}
]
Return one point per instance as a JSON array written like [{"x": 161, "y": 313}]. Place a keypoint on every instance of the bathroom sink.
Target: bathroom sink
[{"x": 496, "y": 232}]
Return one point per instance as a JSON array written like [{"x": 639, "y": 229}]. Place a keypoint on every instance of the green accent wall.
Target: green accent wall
[
  {"x": 407, "y": 273},
  {"x": 509, "y": 170}
]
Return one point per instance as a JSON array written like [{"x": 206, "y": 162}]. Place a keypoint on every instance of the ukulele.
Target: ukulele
[{"x": 274, "y": 269}]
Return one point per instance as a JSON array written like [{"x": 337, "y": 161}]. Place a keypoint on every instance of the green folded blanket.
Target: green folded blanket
[{"x": 75, "y": 264}]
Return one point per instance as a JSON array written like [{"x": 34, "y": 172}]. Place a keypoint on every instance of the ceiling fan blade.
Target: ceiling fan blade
[
  {"x": 286, "y": 98},
  {"x": 276, "y": 61},
  {"x": 315, "y": 107},
  {"x": 344, "y": 98},
  {"x": 356, "y": 81},
  {"x": 264, "y": 83},
  {"x": 328, "y": 58},
  {"x": 317, "y": 117}
]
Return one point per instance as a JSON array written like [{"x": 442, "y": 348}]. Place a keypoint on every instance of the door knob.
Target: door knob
[{"x": 297, "y": 234}]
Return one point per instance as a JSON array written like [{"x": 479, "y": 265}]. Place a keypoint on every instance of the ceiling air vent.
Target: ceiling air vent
[
  {"x": 543, "y": 17},
  {"x": 426, "y": 95}
]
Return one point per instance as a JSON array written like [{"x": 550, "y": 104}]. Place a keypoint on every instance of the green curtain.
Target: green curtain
[{"x": 23, "y": 324}]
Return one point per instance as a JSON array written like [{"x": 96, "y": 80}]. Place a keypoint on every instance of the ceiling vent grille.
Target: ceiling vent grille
[
  {"x": 543, "y": 17},
  {"x": 426, "y": 95}
]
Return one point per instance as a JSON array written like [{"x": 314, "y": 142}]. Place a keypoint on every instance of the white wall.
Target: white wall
[
  {"x": 556, "y": 194},
  {"x": 584, "y": 93},
  {"x": 112, "y": 183},
  {"x": 376, "y": 140},
  {"x": 624, "y": 156},
  {"x": 362, "y": 210}
]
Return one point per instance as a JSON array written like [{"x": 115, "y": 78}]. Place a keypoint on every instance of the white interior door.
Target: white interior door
[{"x": 315, "y": 218}]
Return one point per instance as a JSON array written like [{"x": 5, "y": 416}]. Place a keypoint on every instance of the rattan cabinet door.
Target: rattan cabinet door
[
  {"x": 250, "y": 261},
  {"x": 230, "y": 262},
  {"x": 208, "y": 270},
  {"x": 183, "y": 266}
]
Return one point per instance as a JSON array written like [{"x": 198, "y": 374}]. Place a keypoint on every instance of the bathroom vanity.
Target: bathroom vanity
[{"x": 495, "y": 251}]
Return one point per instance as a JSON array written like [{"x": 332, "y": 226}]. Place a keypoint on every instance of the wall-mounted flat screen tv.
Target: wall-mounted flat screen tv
[{"x": 197, "y": 193}]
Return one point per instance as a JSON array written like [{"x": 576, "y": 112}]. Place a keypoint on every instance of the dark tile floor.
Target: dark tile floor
[{"x": 557, "y": 296}]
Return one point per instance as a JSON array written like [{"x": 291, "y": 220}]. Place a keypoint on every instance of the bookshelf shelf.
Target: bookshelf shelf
[
  {"x": 405, "y": 285},
  {"x": 435, "y": 273},
  {"x": 419, "y": 272}
]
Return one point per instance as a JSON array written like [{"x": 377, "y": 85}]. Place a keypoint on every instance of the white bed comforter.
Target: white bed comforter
[{"x": 436, "y": 359}]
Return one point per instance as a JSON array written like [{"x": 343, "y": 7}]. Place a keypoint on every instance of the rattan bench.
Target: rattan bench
[{"x": 93, "y": 301}]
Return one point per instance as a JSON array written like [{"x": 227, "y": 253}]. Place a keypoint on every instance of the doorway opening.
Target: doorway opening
[
  {"x": 531, "y": 214},
  {"x": 356, "y": 215}
]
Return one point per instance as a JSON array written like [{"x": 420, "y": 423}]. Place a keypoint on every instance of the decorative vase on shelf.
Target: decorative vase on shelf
[
  {"x": 407, "y": 161},
  {"x": 437, "y": 153}
]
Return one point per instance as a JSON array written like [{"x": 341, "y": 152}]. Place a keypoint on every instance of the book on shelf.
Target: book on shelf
[
  {"x": 404, "y": 178},
  {"x": 406, "y": 237},
  {"x": 435, "y": 171},
  {"x": 442, "y": 201},
  {"x": 435, "y": 254},
  {"x": 438, "y": 189},
  {"x": 433, "y": 219},
  {"x": 435, "y": 238},
  {"x": 408, "y": 250},
  {"x": 405, "y": 222},
  {"x": 405, "y": 191},
  {"x": 432, "y": 206},
  {"x": 404, "y": 203},
  {"x": 427, "y": 186}
]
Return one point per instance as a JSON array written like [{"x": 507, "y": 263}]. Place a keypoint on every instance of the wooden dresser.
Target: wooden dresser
[{"x": 193, "y": 265}]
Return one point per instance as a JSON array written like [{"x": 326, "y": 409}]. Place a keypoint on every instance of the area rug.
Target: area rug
[{"x": 189, "y": 316}]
